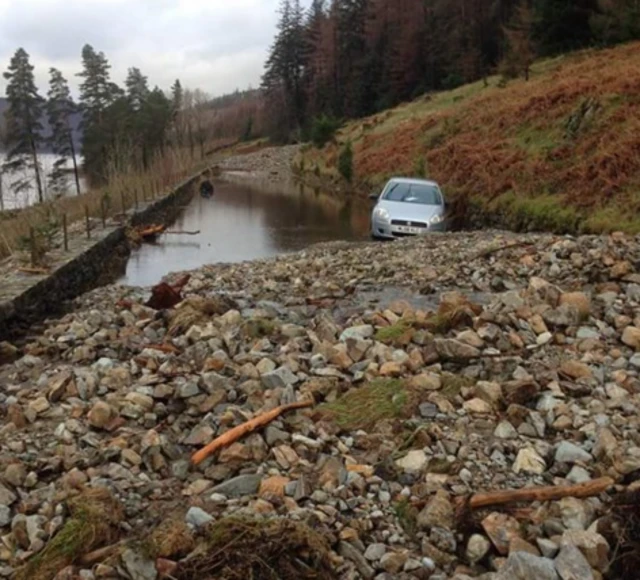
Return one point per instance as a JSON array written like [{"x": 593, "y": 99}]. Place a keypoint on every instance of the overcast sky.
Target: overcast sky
[{"x": 214, "y": 45}]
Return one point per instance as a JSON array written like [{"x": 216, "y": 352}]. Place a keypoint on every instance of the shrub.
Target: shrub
[
  {"x": 323, "y": 130},
  {"x": 345, "y": 162}
]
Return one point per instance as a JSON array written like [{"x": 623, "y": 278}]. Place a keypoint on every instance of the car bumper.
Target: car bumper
[{"x": 383, "y": 229}]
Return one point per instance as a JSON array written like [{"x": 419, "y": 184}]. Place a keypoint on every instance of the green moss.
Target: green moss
[
  {"x": 364, "y": 407},
  {"x": 452, "y": 385},
  {"x": 393, "y": 333},
  {"x": 95, "y": 515},
  {"x": 611, "y": 220},
  {"x": 537, "y": 142},
  {"x": 260, "y": 328},
  {"x": 407, "y": 515},
  {"x": 540, "y": 213}
]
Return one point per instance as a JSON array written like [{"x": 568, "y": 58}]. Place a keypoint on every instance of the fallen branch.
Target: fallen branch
[
  {"x": 550, "y": 493},
  {"x": 240, "y": 431},
  {"x": 35, "y": 271},
  {"x": 100, "y": 555},
  {"x": 183, "y": 232},
  {"x": 151, "y": 231},
  {"x": 165, "y": 348}
]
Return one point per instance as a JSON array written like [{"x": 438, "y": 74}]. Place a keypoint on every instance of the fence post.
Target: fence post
[
  {"x": 65, "y": 232},
  {"x": 124, "y": 205},
  {"x": 32, "y": 239},
  {"x": 86, "y": 217},
  {"x": 103, "y": 212}
]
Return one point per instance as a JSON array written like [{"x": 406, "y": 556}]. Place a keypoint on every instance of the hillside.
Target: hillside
[{"x": 559, "y": 152}]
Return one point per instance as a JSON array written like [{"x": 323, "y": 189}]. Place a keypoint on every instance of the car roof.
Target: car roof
[{"x": 412, "y": 180}]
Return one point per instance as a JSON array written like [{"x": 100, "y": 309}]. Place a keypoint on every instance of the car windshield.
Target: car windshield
[{"x": 414, "y": 193}]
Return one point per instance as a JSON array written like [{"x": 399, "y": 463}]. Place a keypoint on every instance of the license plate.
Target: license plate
[{"x": 407, "y": 230}]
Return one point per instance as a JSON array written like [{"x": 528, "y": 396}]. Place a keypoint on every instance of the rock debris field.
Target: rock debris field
[{"x": 433, "y": 369}]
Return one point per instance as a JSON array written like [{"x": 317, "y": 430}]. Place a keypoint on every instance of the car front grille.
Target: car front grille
[{"x": 407, "y": 223}]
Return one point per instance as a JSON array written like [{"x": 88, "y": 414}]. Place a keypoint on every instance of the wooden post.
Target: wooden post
[
  {"x": 103, "y": 213},
  {"x": 65, "y": 232},
  {"x": 124, "y": 205},
  {"x": 88, "y": 223},
  {"x": 32, "y": 241}
]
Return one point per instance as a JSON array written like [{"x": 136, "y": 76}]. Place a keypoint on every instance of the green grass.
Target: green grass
[
  {"x": 364, "y": 407},
  {"x": 395, "y": 332},
  {"x": 95, "y": 515},
  {"x": 537, "y": 142},
  {"x": 260, "y": 328}
]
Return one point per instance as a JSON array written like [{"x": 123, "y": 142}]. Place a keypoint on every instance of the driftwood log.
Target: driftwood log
[
  {"x": 240, "y": 431},
  {"x": 550, "y": 493}
]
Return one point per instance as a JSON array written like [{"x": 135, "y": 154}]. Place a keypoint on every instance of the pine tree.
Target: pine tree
[
  {"x": 100, "y": 126},
  {"x": 137, "y": 88},
  {"x": 24, "y": 130},
  {"x": 521, "y": 49},
  {"x": 97, "y": 91},
  {"x": 60, "y": 109},
  {"x": 283, "y": 78},
  {"x": 177, "y": 105}
]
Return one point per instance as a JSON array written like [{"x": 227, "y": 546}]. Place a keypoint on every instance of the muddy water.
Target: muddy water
[{"x": 246, "y": 222}]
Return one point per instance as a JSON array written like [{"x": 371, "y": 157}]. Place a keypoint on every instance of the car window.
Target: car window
[{"x": 414, "y": 193}]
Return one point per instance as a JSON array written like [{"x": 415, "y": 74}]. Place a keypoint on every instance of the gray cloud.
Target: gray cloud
[{"x": 214, "y": 45}]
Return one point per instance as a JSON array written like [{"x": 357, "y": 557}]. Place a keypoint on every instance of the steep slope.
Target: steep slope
[{"x": 559, "y": 152}]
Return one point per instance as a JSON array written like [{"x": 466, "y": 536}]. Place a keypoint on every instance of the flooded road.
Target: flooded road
[{"x": 243, "y": 222}]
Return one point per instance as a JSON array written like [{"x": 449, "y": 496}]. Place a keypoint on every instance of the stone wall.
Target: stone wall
[{"x": 101, "y": 264}]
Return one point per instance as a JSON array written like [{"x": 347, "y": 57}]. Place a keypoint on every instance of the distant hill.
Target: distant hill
[{"x": 77, "y": 132}]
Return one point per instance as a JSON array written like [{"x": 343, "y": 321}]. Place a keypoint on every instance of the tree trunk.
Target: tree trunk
[
  {"x": 75, "y": 164},
  {"x": 36, "y": 168}
]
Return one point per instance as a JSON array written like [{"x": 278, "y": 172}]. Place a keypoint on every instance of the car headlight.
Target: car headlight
[
  {"x": 382, "y": 213},
  {"x": 437, "y": 219}
]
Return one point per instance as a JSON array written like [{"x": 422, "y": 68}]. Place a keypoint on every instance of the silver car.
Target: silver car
[{"x": 408, "y": 207}]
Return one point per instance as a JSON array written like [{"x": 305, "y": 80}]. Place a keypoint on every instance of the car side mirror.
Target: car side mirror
[{"x": 374, "y": 196}]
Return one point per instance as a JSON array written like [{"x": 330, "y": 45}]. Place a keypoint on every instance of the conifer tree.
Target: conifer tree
[
  {"x": 100, "y": 126},
  {"x": 24, "y": 129},
  {"x": 60, "y": 109}
]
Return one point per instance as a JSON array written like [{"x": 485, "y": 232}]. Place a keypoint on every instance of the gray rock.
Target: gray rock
[
  {"x": 568, "y": 452},
  {"x": 585, "y": 332},
  {"x": 239, "y": 486},
  {"x": 634, "y": 361},
  {"x": 525, "y": 566},
  {"x": 5, "y": 516},
  {"x": 357, "y": 332},
  {"x": 505, "y": 430},
  {"x": 450, "y": 348},
  {"x": 273, "y": 435},
  {"x": 477, "y": 548},
  {"x": 374, "y": 552},
  {"x": 279, "y": 379},
  {"x": 7, "y": 497},
  {"x": 413, "y": 462},
  {"x": 188, "y": 390},
  {"x": 198, "y": 518},
  {"x": 138, "y": 566},
  {"x": 572, "y": 565},
  {"x": 438, "y": 512},
  {"x": 351, "y": 553},
  {"x": 548, "y": 548}
]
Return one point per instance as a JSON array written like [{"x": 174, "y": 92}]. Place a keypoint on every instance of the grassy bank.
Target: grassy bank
[
  {"x": 123, "y": 192},
  {"x": 560, "y": 152}
]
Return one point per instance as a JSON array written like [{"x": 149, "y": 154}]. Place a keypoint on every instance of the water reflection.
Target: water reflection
[{"x": 245, "y": 222}]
